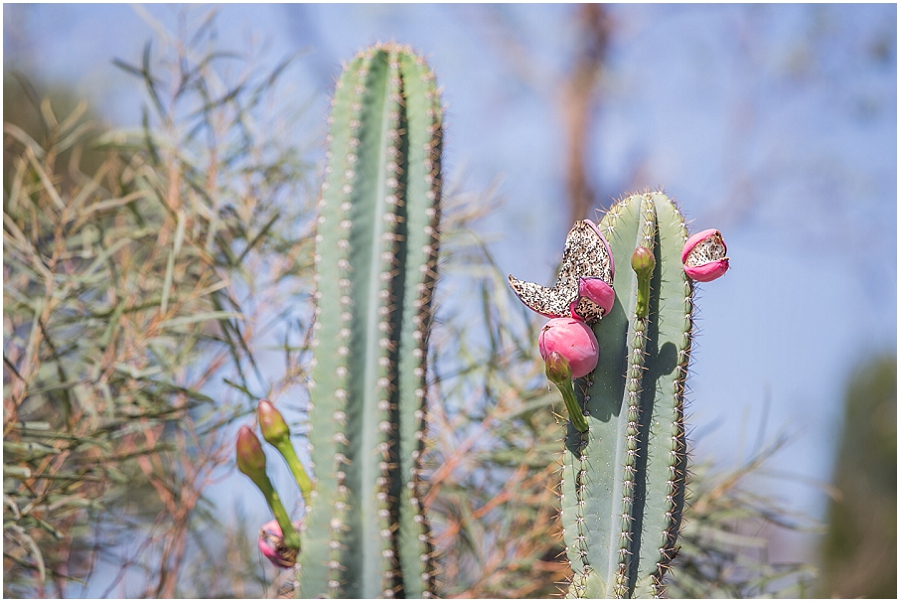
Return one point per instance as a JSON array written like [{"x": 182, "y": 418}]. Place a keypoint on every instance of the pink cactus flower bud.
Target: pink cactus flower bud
[
  {"x": 704, "y": 256},
  {"x": 272, "y": 546},
  {"x": 595, "y": 299},
  {"x": 574, "y": 340}
]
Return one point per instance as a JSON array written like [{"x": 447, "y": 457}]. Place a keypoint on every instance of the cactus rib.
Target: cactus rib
[
  {"x": 637, "y": 342},
  {"x": 667, "y": 362},
  {"x": 423, "y": 185}
]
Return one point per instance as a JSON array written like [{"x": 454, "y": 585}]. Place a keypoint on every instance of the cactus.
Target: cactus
[
  {"x": 365, "y": 534},
  {"x": 622, "y": 488}
]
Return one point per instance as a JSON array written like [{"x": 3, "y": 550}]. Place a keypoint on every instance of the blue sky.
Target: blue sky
[{"x": 776, "y": 124}]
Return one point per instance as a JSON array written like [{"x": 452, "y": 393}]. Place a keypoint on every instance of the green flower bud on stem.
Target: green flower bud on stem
[
  {"x": 643, "y": 261},
  {"x": 251, "y": 461},
  {"x": 275, "y": 431},
  {"x": 560, "y": 373}
]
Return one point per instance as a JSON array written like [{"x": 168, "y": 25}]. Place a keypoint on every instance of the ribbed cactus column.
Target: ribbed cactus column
[
  {"x": 365, "y": 534},
  {"x": 622, "y": 488}
]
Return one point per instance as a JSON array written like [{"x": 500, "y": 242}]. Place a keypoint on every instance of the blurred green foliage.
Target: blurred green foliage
[
  {"x": 859, "y": 552},
  {"x": 32, "y": 109}
]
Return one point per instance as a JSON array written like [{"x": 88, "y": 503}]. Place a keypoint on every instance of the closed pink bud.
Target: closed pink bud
[
  {"x": 572, "y": 339},
  {"x": 272, "y": 546},
  {"x": 595, "y": 299},
  {"x": 704, "y": 256}
]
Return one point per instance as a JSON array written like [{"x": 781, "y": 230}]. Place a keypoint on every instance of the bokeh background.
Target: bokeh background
[{"x": 776, "y": 124}]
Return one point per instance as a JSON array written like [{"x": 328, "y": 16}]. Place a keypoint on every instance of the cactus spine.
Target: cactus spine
[
  {"x": 622, "y": 488},
  {"x": 365, "y": 534}
]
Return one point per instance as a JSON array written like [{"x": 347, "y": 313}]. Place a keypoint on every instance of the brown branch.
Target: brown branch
[{"x": 578, "y": 103}]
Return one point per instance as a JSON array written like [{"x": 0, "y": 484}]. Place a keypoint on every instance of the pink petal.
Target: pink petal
[
  {"x": 597, "y": 291},
  {"x": 708, "y": 271},
  {"x": 270, "y": 536},
  {"x": 713, "y": 254}
]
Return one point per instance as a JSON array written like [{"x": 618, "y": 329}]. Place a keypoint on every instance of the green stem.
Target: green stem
[
  {"x": 285, "y": 448},
  {"x": 575, "y": 414},
  {"x": 276, "y": 432},
  {"x": 291, "y": 537},
  {"x": 559, "y": 372},
  {"x": 251, "y": 460}
]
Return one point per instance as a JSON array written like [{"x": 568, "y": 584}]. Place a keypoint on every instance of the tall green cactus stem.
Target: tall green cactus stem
[
  {"x": 366, "y": 534},
  {"x": 622, "y": 489}
]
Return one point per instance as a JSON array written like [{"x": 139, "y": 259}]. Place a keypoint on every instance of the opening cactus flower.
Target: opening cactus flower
[
  {"x": 584, "y": 283},
  {"x": 272, "y": 546},
  {"x": 704, "y": 256},
  {"x": 572, "y": 339}
]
